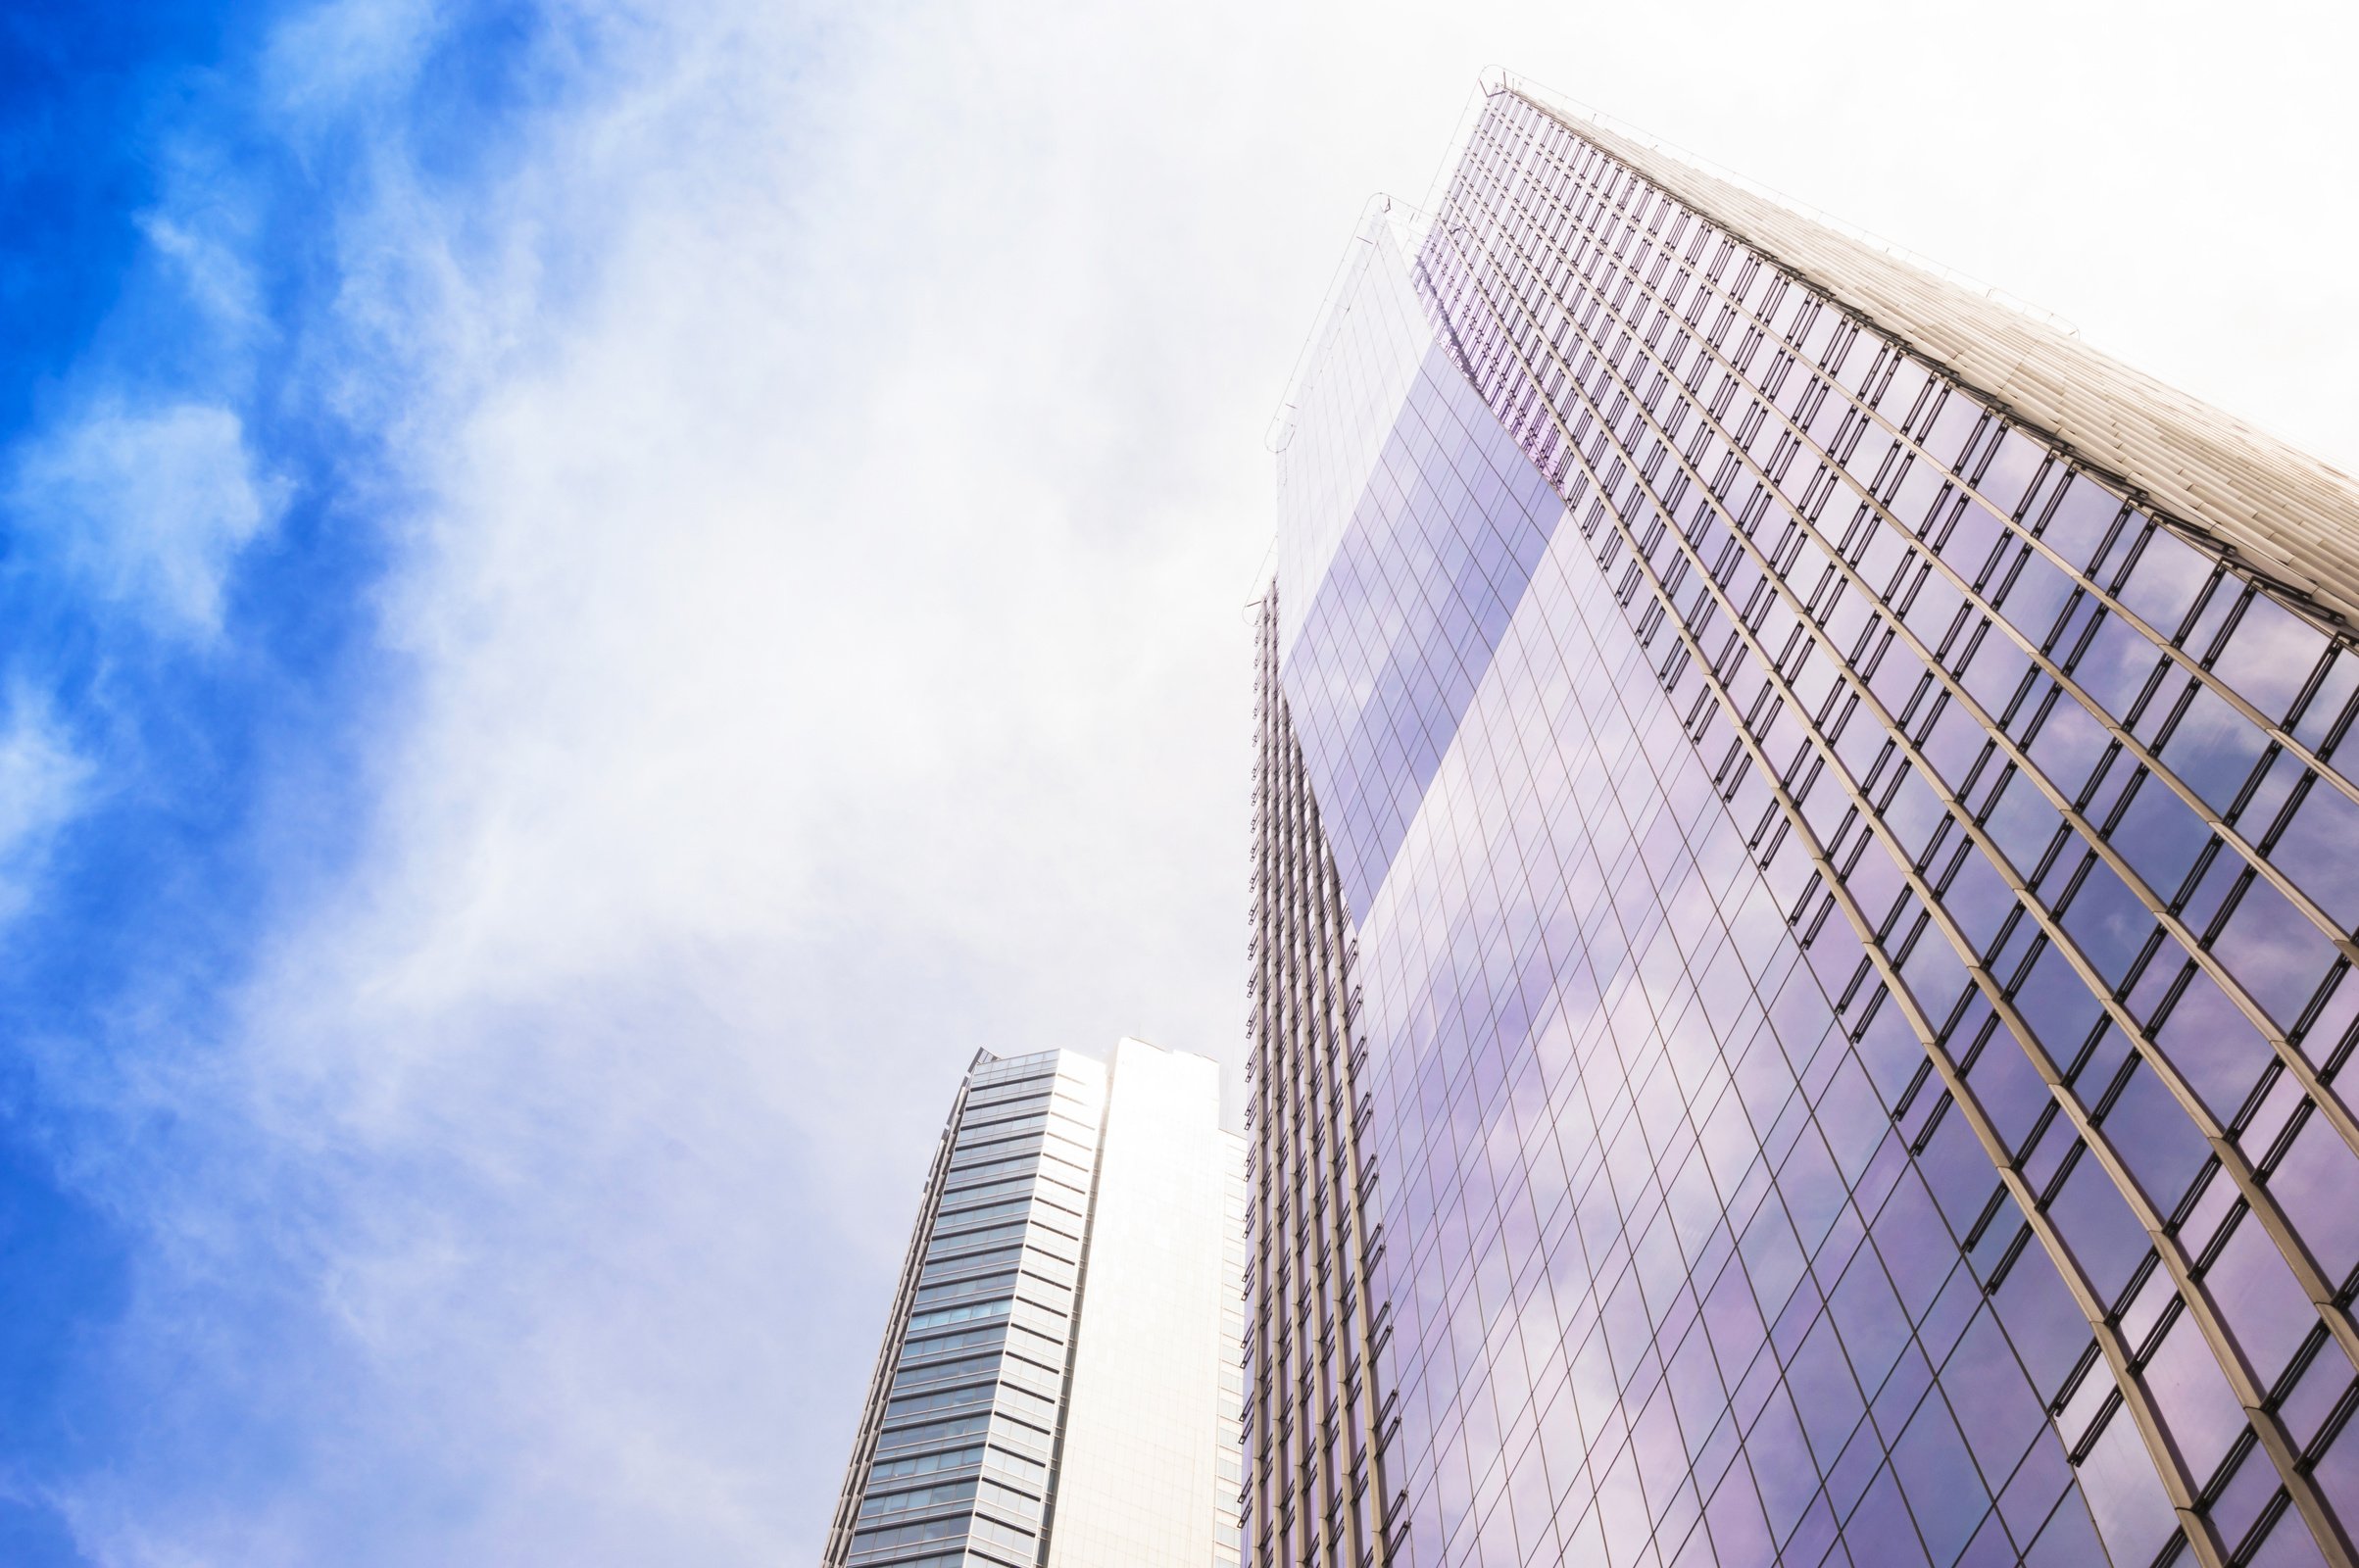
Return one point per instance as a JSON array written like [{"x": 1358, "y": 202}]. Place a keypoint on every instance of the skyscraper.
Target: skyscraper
[
  {"x": 1060, "y": 1383},
  {"x": 1804, "y": 889}
]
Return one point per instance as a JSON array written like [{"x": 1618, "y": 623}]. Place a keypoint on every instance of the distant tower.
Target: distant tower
[
  {"x": 1805, "y": 881},
  {"x": 1059, "y": 1384}
]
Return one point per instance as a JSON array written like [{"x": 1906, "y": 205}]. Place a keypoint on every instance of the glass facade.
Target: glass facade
[
  {"x": 1827, "y": 914},
  {"x": 1021, "y": 1412}
]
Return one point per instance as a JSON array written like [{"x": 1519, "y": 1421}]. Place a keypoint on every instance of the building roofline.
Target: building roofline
[{"x": 2277, "y": 514}]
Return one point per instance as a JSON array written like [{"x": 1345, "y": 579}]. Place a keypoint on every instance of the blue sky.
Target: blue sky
[
  {"x": 596, "y": 594},
  {"x": 466, "y": 880},
  {"x": 191, "y": 525}
]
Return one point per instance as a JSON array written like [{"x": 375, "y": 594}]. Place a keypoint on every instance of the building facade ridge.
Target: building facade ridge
[{"x": 2218, "y": 478}]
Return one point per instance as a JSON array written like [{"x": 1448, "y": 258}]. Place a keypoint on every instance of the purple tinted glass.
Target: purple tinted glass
[{"x": 1832, "y": 982}]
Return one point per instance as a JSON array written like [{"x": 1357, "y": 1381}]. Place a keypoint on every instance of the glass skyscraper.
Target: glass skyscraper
[
  {"x": 1060, "y": 1383},
  {"x": 1804, "y": 890}
]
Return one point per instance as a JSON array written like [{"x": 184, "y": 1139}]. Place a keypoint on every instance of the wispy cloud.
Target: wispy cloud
[
  {"x": 210, "y": 267},
  {"x": 146, "y": 508},
  {"x": 43, "y": 784},
  {"x": 323, "y": 58}
]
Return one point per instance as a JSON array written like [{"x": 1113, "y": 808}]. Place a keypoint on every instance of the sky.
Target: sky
[{"x": 593, "y": 596}]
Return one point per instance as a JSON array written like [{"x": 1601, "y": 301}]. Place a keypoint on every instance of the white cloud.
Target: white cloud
[
  {"x": 44, "y": 783},
  {"x": 147, "y": 507},
  {"x": 210, "y": 267},
  {"x": 326, "y": 56}
]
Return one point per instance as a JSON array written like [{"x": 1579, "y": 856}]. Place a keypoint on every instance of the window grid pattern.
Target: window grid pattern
[
  {"x": 1872, "y": 644},
  {"x": 1228, "y": 1533},
  {"x": 1314, "y": 1487},
  {"x": 2273, "y": 507},
  {"x": 1643, "y": 1219},
  {"x": 954, "y": 1464},
  {"x": 1356, "y": 374},
  {"x": 1425, "y": 540}
]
